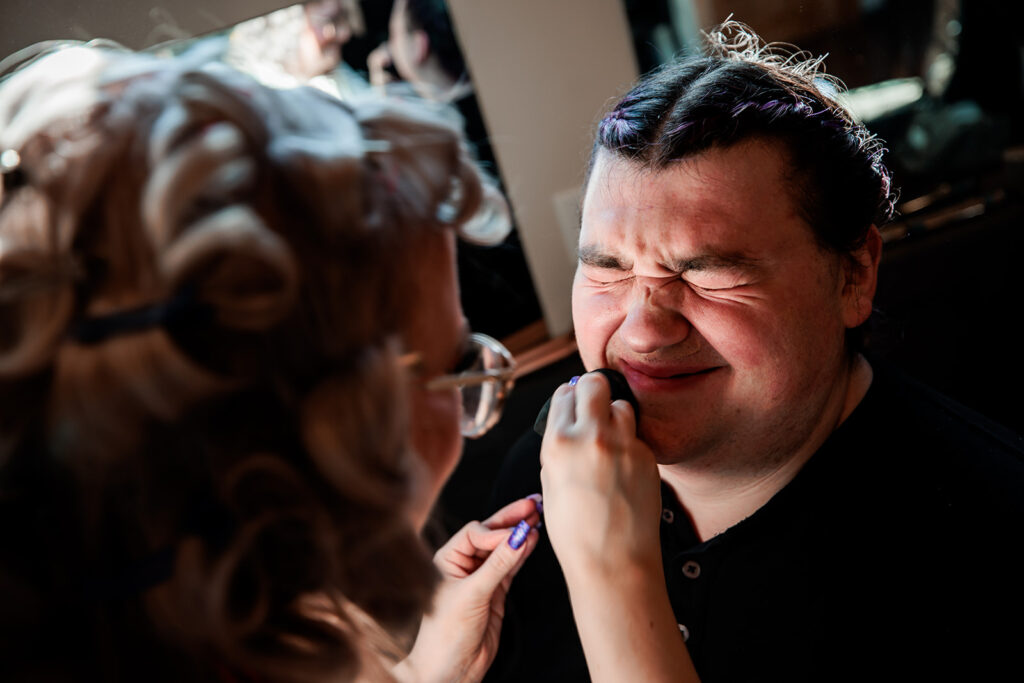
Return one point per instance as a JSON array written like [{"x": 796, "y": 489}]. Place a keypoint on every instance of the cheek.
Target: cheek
[
  {"x": 401, "y": 55},
  {"x": 756, "y": 340},
  {"x": 777, "y": 347},
  {"x": 741, "y": 332},
  {"x": 435, "y": 432},
  {"x": 595, "y": 319}
]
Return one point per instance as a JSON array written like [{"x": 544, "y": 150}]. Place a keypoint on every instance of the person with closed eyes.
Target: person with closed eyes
[{"x": 780, "y": 506}]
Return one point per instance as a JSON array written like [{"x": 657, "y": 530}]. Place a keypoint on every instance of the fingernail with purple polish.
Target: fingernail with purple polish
[
  {"x": 537, "y": 501},
  {"x": 572, "y": 382},
  {"x": 519, "y": 535}
]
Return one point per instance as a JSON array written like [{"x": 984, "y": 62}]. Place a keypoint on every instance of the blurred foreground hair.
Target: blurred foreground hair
[{"x": 204, "y": 467}]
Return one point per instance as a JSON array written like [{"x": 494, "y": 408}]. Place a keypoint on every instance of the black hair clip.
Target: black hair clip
[
  {"x": 205, "y": 518},
  {"x": 182, "y": 309}
]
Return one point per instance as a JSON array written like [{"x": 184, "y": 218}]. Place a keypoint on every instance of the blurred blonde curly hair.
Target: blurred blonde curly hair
[{"x": 204, "y": 466}]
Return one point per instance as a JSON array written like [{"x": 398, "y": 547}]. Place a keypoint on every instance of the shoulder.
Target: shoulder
[
  {"x": 962, "y": 511},
  {"x": 916, "y": 415},
  {"x": 922, "y": 440}
]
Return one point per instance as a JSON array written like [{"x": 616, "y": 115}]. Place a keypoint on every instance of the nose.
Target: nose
[{"x": 654, "y": 319}]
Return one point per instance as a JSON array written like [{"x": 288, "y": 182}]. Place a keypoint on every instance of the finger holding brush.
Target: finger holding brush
[{"x": 602, "y": 506}]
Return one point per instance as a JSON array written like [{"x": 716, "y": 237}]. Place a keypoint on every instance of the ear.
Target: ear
[
  {"x": 861, "y": 278},
  {"x": 420, "y": 46}
]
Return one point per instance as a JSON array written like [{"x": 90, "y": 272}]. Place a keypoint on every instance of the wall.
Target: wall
[
  {"x": 134, "y": 24},
  {"x": 779, "y": 21},
  {"x": 544, "y": 70}
]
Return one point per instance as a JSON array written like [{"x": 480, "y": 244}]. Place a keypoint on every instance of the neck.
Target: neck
[{"x": 719, "y": 498}]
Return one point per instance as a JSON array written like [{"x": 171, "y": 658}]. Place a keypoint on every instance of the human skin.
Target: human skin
[
  {"x": 436, "y": 331},
  {"x": 408, "y": 49},
  {"x": 458, "y": 639},
  {"x": 603, "y": 486},
  {"x": 406, "y": 46},
  {"x": 319, "y": 45},
  {"x": 705, "y": 287}
]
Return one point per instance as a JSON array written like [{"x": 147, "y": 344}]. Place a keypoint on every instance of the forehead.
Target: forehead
[{"x": 737, "y": 198}]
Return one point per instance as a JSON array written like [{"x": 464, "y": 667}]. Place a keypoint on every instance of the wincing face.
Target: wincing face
[
  {"x": 703, "y": 285},
  {"x": 436, "y": 331}
]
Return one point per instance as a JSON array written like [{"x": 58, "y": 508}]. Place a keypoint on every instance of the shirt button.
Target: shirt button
[
  {"x": 691, "y": 569},
  {"x": 668, "y": 515},
  {"x": 685, "y": 631}
]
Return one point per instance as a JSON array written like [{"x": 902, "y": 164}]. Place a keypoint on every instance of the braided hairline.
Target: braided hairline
[
  {"x": 768, "y": 89},
  {"x": 735, "y": 41}
]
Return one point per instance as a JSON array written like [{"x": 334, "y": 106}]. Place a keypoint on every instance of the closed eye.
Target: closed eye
[
  {"x": 716, "y": 272},
  {"x": 610, "y": 280},
  {"x": 605, "y": 276},
  {"x": 715, "y": 280}
]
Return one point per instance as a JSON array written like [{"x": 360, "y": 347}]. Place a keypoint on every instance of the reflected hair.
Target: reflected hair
[
  {"x": 434, "y": 19},
  {"x": 203, "y": 420}
]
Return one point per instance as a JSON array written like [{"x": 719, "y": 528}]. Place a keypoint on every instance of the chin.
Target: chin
[
  {"x": 672, "y": 447},
  {"x": 668, "y": 448}
]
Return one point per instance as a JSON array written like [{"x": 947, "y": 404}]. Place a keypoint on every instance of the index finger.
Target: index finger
[
  {"x": 513, "y": 513},
  {"x": 593, "y": 398}
]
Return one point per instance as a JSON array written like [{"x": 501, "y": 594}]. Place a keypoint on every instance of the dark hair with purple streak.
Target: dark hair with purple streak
[{"x": 742, "y": 89}]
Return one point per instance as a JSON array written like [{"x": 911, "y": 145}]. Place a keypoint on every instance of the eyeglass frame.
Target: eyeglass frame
[{"x": 462, "y": 380}]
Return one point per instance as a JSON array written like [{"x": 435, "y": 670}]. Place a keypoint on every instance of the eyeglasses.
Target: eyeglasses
[{"x": 484, "y": 378}]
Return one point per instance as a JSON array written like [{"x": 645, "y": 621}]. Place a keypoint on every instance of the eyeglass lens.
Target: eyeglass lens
[{"x": 482, "y": 403}]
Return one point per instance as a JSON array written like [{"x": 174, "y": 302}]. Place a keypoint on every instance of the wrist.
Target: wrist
[
  {"x": 612, "y": 568},
  {"x": 627, "y": 627},
  {"x": 416, "y": 668},
  {"x": 428, "y": 664},
  {"x": 405, "y": 672}
]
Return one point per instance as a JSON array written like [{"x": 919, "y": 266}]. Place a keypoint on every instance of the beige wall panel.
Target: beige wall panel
[
  {"x": 134, "y": 24},
  {"x": 544, "y": 69}
]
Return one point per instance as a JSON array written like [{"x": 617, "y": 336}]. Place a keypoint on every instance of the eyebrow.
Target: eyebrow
[
  {"x": 595, "y": 257},
  {"x": 727, "y": 261}
]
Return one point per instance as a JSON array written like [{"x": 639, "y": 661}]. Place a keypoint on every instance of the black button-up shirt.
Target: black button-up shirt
[{"x": 895, "y": 554}]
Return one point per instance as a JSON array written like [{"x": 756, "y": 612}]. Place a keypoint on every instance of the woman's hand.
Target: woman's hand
[
  {"x": 602, "y": 492},
  {"x": 457, "y": 641},
  {"x": 602, "y": 510},
  {"x": 377, "y": 65}
]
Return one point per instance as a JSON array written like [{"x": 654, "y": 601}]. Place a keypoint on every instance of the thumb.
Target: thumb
[{"x": 505, "y": 559}]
